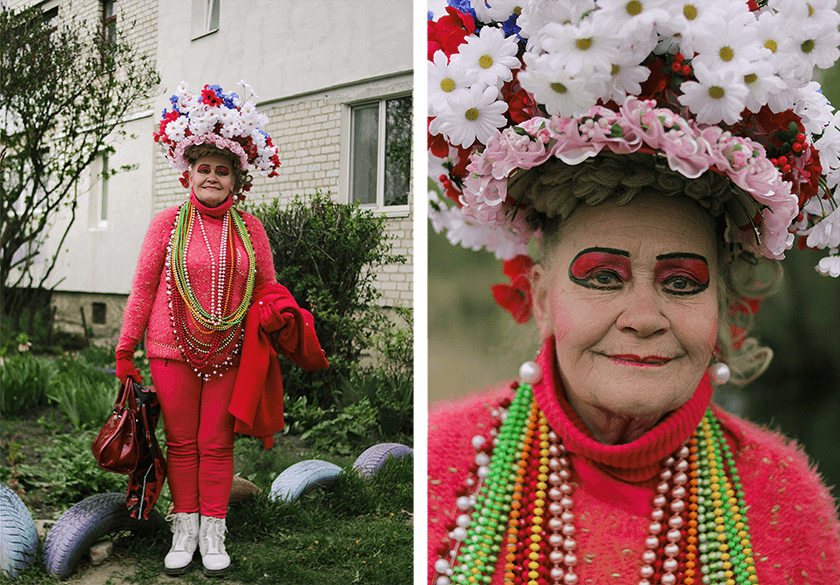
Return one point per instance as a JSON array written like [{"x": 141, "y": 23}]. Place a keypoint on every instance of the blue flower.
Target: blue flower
[{"x": 463, "y": 6}]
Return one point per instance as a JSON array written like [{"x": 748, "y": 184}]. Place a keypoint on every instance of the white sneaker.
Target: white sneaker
[
  {"x": 184, "y": 542},
  {"x": 211, "y": 543}
]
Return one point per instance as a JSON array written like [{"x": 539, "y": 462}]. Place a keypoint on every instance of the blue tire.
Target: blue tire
[
  {"x": 374, "y": 458},
  {"x": 85, "y": 523},
  {"x": 302, "y": 477},
  {"x": 18, "y": 537}
]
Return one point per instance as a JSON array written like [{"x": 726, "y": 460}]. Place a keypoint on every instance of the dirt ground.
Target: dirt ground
[{"x": 19, "y": 439}]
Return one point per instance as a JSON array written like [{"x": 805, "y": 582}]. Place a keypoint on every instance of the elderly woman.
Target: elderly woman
[
  {"x": 659, "y": 224},
  {"x": 202, "y": 267}
]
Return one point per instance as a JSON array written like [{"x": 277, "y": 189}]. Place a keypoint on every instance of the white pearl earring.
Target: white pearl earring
[
  {"x": 719, "y": 373},
  {"x": 530, "y": 372}
]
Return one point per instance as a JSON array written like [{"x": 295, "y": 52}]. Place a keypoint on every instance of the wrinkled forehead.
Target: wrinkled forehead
[
  {"x": 649, "y": 225},
  {"x": 214, "y": 160}
]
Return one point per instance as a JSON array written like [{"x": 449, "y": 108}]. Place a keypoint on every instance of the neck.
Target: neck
[
  {"x": 610, "y": 428},
  {"x": 217, "y": 211}
]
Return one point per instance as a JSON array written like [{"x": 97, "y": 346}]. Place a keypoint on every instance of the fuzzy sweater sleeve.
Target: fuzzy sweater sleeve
[
  {"x": 262, "y": 251},
  {"x": 146, "y": 280}
]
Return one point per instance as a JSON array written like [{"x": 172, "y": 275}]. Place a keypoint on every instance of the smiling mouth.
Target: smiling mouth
[{"x": 634, "y": 360}]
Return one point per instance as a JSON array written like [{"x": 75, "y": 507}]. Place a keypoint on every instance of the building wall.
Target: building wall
[{"x": 308, "y": 62}]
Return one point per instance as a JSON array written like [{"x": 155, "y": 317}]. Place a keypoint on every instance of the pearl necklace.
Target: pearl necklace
[
  {"x": 224, "y": 331},
  {"x": 698, "y": 531}
]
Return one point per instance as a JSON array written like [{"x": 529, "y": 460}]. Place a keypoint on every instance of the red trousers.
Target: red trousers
[{"x": 199, "y": 436}]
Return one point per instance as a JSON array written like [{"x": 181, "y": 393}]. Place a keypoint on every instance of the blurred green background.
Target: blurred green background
[{"x": 473, "y": 344}]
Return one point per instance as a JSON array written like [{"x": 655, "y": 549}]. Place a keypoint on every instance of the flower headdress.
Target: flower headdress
[
  {"x": 220, "y": 119},
  {"x": 720, "y": 85}
]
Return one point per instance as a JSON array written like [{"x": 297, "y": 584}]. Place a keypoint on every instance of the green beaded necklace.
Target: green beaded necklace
[{"x": 708, "y": 540}]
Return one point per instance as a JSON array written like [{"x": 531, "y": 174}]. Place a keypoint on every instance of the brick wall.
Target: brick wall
[{"x": 307, "y": 132}]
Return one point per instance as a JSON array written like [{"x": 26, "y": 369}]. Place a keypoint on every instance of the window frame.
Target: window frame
[
  {"x": 202, "y": 16},
  {"x": 378, "y": 207}
]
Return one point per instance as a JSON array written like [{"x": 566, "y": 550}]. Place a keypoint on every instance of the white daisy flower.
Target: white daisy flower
[
  {"x": 225, "y": 115},
  {"x": 228, "y": 129},
  {"x": 250, "y": 89},
  {"x": 552, "y": 86},
  {"x": 446, "y": 78},
  {"x": 761, "y": 82},
  {"x": 771, "y": 33},
  {"x": 182, "y": 89},
  {"x": 727, "y": 43},
  {"x": 626, "y": 77},
  {"x": 494, "y": 10},
  {"x": 814, "y": 108},
  {"x": 829, "y": 148},
  {"x": 718, "y": 95},
  {"x": 818, "y": 42},
  {"x": 687, "y": 18},
  {"x": 826, "y": 234},
  {"x": 830, "y": 265},
  {"x": 581, "y": 47},
  {"x": 491, "y": 55},
  {"x": 536, "y": 15},
  {"x": 472, "y": 115},
  {"x": 634, "y": 18},
  {"x": 177, "y": 128}
]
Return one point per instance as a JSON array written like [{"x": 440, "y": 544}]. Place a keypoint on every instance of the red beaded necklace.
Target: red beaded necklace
[{"x": 204, "y": 335}]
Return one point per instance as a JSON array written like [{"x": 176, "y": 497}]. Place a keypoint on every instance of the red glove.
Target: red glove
[
  {"x": 125, "y": 366},
  {"x": 273, "y": 320}
]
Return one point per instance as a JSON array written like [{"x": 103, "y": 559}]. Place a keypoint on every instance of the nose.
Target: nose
[{"x": 643, "y": 313}]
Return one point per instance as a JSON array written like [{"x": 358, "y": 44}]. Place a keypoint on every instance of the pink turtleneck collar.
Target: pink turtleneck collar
[
  {"x": 637, "y": 461},
  {"x": 211, "y": 211}
]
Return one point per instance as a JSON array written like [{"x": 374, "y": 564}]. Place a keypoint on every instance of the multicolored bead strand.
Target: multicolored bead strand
[
  {"x": 223, "y": 329},
  {"x": 698, "y": 531},
  {"x": 479, "y": 535}
]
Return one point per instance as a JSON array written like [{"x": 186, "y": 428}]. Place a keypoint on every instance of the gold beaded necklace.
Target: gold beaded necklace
[{"x": 698, "y": 531}]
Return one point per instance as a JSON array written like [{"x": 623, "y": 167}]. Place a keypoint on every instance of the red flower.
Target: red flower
[
  {"x": 747, "y": 307},
  {"x": 448, "y": 32},
  {"x": 657, "y": 82},
  {"x": 520, "y": 104},
  {"x": 438, "y": 145},
  {"x": 208, "y": 96},
  {"x": 515, "y": 297}
]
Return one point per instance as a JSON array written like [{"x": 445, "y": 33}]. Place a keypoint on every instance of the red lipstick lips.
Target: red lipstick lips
[{"x": 648, "y": 360}]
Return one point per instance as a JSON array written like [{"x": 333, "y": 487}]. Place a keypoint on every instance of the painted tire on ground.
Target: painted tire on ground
[
  {"x": 374, "y": 458},
  {"x": 18, "y": 537},
  {"x": 302, "y": 477},
  {"x": 85, "y": 523}
]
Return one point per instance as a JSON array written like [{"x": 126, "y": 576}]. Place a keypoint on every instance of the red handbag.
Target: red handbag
[{"x": 117, "y": 446}]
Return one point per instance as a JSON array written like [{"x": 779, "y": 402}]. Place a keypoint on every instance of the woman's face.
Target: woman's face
[
  {"x": 631, "y": 295},
  {"x": 211, "y": 179}
]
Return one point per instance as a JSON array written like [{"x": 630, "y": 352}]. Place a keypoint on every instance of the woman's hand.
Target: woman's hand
[
  {"x": 125, "y": 367},
  {"x": 273, "y": 320}
]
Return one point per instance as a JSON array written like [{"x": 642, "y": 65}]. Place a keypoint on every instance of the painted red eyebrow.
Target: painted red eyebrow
[
  {"x": 592, "y": 259},
  {"x": 692, "y": 266}
]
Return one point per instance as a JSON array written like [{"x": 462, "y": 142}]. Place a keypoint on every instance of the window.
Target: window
[
  {"x": 205, "y": 17},
  {"x": 98, "y": 311},
  {"x": 380, "y": 153},
  {"x": 109, "y": 21},
  {"x": 100, "y": 177}
]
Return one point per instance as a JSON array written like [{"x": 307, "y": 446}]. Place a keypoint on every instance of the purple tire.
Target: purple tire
[
  {"x": 374, "y": 457},
  {"x": 18, "y": 537},
  {"x": 85, "y": 523}
]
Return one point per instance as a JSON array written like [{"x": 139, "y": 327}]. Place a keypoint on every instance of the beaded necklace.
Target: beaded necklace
[
  {"x": 222, "y": 327},
  {"x": 522, "y": 504}
]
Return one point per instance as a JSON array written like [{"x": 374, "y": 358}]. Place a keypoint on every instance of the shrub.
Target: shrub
[
  {"x": 23, "y": 383},
  {"x": 351, "y": 428},
  {"x": 84, "y": 394},
  {"x": 327, "y": 254}
]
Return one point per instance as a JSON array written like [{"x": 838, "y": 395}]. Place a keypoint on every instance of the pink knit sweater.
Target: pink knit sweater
[
  {"x": 147, "y": 304},
  {"x": 793, "y": 519}
]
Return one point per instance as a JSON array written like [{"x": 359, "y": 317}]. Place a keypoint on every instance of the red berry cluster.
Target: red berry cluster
[{"x": 680, "y": 66}]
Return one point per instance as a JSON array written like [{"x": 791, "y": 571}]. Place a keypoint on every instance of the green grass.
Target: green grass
[{"x": 355, "y": 531}]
